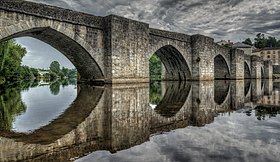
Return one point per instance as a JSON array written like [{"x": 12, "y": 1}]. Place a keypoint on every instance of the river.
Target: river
[{"x": 159, "y": 121}]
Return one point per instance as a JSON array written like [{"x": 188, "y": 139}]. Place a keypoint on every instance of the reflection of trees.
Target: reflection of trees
[
  {"x": 11, "y": 105},
  {"x": 55, "y": 87},
  {"x": 155, "y": 92},
  {"x": 262, "y": 112}
]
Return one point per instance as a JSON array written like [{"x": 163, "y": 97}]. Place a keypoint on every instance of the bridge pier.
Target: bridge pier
[
  {"x": 237, "y": 64},
  {"x": 268, "y": 69},
  {"x": 126, "y": 44},
  {"x": 256, "y": 66},
  {"x": 268, "y": 87},
  {"x": 237, "y": 94},
  {"x": 202, "y": 62}
]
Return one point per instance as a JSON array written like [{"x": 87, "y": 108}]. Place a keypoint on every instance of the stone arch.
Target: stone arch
[
  {"x": 64, "y": 39},
  {"x": 221, "y": 91},
  {"x": 221, "y": 67},
  {"x": 247, "y": 71},
  {"x": 175, "y": 65},
  {"x": 174, "y": 98}
]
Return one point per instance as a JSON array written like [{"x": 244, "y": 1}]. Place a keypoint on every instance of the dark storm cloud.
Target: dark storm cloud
[
  {"x": 265, "y": 28},
  {"x": 40, "y": 55},
  {"x": 212, "y": 18},
  {"x": 232, "y": 3}
]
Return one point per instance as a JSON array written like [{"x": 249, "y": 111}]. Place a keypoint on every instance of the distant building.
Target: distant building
[
  {"x": 269, "y": 54},
  {"x": 225, "y": 43},
  {"x": 274, "y": 99},
  {"x": 244, "y": 47},
  {"x": 43, "y": 73}
]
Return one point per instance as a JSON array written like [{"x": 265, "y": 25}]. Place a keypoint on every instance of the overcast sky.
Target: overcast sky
[{"x": 220, "y": 19}]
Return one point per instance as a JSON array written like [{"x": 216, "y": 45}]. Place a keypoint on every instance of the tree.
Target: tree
[
  {"x": 260, "y": 41},
  {"x": 11, "y": 55},
  {"x": 155, "y": 67},
  {"x": 248, "y": 41},
  {"x": 55, "y": 67},
  {"x": 271, "y": 42}
]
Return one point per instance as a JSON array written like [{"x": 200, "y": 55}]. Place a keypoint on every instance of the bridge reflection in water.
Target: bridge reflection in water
[{"x": 117, "y": 117}]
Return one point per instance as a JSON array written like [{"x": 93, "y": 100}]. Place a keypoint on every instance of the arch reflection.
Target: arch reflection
[
  {"x": 176, "y": 93},
  {"x": 247, "y": 86},
  {"x": 87, "y": 98},
  {"x": 221, "y": 91}
]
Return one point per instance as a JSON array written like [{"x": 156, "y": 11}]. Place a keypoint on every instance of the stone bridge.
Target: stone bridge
[{"x": 113, "y": 49}]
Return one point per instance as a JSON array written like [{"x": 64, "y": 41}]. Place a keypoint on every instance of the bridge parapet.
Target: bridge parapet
[
  {"x": 171, "y": 35},
  {"x": 52, "y": 12}
]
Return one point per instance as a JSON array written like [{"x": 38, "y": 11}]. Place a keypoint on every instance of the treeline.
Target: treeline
[
  {"x": 55, "y": 72},
  {"x": 11, "y": 55},
  {"x": 11, "y": 70},
  {"x": 155, "y": 68},
  {"x": 261, "y": 41}
]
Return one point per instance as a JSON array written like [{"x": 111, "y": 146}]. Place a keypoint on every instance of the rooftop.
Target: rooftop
[{"x": 241, "y": 45}]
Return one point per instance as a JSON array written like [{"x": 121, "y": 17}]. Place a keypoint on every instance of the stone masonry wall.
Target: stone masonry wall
[
  {"x": 237, "y": 64},
  {"x": 204, "y": 50},
  {"x": 52, "y": 12},
  {"x": 127, "y": 44}
]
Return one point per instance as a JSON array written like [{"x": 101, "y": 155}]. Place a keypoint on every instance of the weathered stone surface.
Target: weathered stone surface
[
  {"x": 256, "y": 67},
  {"x": 114, "y": 49}
]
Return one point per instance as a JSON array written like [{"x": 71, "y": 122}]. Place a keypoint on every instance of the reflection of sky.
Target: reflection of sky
[
  {"x": 229, "y": 138},
  {"x": 42, "y": 107},
  {"x": 40, "y": 54}
]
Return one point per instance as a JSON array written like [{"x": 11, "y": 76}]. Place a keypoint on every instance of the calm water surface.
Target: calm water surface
[{"x": 167, "y": 121}]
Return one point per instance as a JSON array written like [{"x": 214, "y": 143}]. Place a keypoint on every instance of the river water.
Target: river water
[{"x": 161, "y": 121}]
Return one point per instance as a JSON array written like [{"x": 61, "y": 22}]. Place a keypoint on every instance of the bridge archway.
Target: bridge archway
[
  {"x": 221, "y": 68},
  {"x": 175, "y": 65},
  {"x": 247, "y": 71},
  {"x": 74, "y": 48}
]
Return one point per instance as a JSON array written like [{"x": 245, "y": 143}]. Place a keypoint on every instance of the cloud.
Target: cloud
[
  {"x": 40, "y": 54},
  {"x": 234, "y": 137},
  {"x": 190, "y": 17}
]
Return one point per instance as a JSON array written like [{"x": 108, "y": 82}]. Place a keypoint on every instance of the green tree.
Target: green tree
[
  {"x": 155, "y": 68},
  {"x": 260, "y": 41},
  {"x": 271, "y": 42},
  {"x": 248, "y": 41},
  {"x": 55, "y": 67},
  {"x": 11, "y": 55}
]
